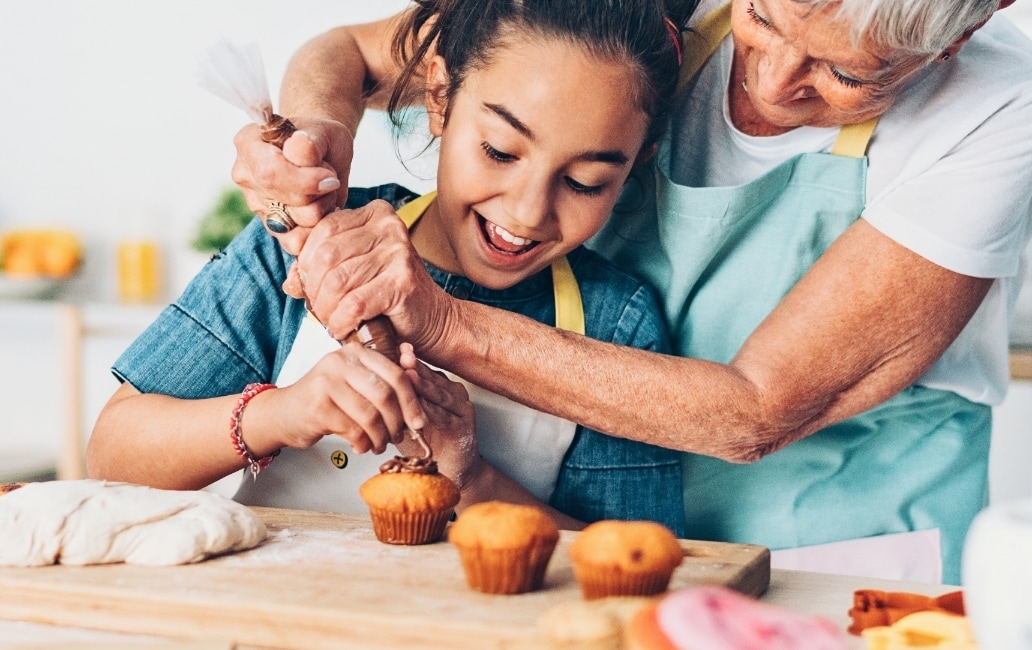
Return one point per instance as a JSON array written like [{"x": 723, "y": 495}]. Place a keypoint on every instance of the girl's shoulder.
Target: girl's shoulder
[
  {"x": 591, "y": 269},
  {"x": 618, "y": 307}
]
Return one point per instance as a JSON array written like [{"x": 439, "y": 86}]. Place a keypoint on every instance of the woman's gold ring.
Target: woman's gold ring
[{"x": 277, "y": 219}]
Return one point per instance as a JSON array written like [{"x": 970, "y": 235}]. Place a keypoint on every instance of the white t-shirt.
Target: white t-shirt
[{"x": 949, "y": 177}]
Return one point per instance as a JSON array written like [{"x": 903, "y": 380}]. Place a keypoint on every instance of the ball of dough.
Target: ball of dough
[{"x": 101, "y": 522}]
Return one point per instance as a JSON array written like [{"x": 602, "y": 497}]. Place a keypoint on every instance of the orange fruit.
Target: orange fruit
[{"x": 49, "y": 252}]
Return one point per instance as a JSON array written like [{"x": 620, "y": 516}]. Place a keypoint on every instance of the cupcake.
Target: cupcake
[
  {"x": 409, "y": 506},
  {"x": 587, "y": 625},
  {"x": 504, "y": 547},
  {"x": 624, "y": 558}
]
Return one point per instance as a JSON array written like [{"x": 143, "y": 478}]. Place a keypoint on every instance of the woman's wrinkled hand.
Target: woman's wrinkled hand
[
  {"x": 309, "y": 175},
  {"x": 357, "y": 264},
  {"x": 451, "y": 420}
]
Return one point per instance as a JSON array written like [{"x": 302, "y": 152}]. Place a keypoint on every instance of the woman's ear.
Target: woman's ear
[
  {"x": 955, "y": 46},
  {"x": 436, "y": 98}
]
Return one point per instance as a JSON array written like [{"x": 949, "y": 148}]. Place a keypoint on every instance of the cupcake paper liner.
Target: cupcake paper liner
[
  {"x": 409, "y": 528},
  {"x": 506, "y": 571},
  {"x": 598, "y": 582}
]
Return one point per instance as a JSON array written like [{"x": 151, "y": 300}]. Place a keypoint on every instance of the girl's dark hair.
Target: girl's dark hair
[{"x": 465, "y": 33}]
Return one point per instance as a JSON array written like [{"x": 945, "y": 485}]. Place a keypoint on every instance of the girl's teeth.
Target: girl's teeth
[{"x": 508, "y": 236}]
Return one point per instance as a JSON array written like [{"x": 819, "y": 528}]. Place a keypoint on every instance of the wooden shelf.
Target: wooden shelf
[{"x": 1021, "y": 364}]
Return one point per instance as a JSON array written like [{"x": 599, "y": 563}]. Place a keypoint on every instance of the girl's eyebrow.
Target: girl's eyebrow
[
  {"x": 513, "y": 121},
  {"x": 613, "y": 157}
]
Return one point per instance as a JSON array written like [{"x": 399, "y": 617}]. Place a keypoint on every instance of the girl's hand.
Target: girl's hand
[
  {"x": 353, "y": 392},
  {"x": 451, "y": 425}
]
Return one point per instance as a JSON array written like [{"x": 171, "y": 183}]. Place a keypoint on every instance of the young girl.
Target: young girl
[{"x": 528, "y": 99}]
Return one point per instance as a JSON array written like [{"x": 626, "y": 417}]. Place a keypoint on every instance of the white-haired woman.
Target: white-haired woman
[{"x": 835, "y": 222}]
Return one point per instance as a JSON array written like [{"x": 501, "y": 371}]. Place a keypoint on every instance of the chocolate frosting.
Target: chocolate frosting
[{"x": 409, "y": 464}]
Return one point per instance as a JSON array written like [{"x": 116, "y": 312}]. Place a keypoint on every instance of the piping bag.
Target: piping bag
[{"x": 237, "y": 75}]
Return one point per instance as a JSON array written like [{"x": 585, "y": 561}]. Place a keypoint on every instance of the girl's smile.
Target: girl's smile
[{"x": 504, "y": 241}]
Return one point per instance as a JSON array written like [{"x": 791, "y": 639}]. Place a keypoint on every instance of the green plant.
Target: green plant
[{"x": 219, "y": 226}]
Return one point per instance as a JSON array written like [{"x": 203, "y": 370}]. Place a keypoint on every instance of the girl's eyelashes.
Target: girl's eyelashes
[
  {"x": 580, "y": 188},
  {"x": 495, "y": 154},
  {"x": 502, "y": 157},
  {"x": 757, "y": 18}
]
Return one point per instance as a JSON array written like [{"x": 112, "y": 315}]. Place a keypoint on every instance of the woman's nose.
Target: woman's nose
[{"x": 783, "y": 75}]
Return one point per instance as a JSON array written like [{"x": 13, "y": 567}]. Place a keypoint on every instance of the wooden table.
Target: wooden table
[{"x": 324, "y": 581}]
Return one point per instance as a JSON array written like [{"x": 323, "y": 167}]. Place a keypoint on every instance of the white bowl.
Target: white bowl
[
  {"x": 997, "y": 576},
  {"x": 13, "y": 287}
]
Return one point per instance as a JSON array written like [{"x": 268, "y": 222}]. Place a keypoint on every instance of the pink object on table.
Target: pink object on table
[{"x": 717, "y": 618}]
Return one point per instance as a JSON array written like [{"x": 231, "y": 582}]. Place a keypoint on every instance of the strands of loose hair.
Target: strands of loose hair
[{"x": 467, "y": 33}]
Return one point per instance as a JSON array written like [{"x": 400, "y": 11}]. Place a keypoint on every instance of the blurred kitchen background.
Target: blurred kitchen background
[{"x": 109, "y": 136}]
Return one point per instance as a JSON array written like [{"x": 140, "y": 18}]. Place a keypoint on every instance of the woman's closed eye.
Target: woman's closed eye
[
  {"x": 757, "y": 18},
  {"x": 496, "y": 155},
  {"x": 846, "y": 80}
]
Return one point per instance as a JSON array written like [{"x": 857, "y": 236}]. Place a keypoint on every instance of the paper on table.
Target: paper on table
[{"x": 914, "y": 557}]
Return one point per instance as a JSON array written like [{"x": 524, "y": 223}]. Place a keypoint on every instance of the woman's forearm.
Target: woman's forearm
[
  {"x": 486, "y": 483},
  {"x": 336, "y": 74},
  {"x": 631, "y": 393},
  {"x": 866, "y": 322},
  {"x": 326, "y": 78}
]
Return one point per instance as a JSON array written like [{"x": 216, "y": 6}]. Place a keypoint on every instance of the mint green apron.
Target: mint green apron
[{"x": 722, "y": 258}]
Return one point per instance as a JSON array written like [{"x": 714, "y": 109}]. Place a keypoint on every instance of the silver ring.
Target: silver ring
[{"x": 277, "y": 219}]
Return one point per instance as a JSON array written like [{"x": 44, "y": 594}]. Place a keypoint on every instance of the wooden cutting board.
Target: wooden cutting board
[{"x": 324, "y": 581}]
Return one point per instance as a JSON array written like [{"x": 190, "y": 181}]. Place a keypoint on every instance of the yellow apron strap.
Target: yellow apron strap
[
  {"x": 853, "y": 139},
  {"x": 702, "y": 41},
  {"x": 569, "y": 309},
  {"x": 414, "y": 209}
]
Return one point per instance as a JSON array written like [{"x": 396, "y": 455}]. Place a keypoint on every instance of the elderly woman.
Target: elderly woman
[{"x": 835, "y": 222}]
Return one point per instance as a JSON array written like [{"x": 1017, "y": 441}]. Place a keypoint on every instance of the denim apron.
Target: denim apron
[
  {"x": 722, "y": 258},
  {"x": 525, "y": 444}
]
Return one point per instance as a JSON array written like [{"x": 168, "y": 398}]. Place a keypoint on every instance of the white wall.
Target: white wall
[{"x": 106, "y": 131}]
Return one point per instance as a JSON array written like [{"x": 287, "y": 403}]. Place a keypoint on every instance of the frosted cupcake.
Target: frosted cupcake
[{"x": 409, "y": 501}]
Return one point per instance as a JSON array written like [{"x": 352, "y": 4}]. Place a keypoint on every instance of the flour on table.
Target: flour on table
[{"x": 102, "y": 522}]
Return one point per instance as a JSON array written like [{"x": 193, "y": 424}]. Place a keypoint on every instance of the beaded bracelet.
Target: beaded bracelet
[{"x": 256, "y": 464}]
